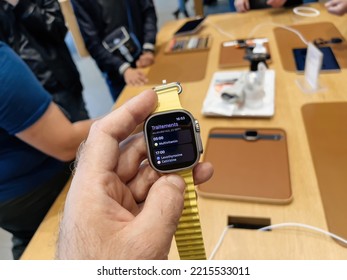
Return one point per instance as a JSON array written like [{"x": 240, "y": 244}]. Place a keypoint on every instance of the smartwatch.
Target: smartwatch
[{"x": 174, "y": 146}]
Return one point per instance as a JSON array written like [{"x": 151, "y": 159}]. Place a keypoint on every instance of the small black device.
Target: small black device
[
  {"x": 329, "y": 60},
  {"x": 190, "y": 27}
]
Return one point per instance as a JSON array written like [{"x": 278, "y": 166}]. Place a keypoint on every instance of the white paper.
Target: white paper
[{"x": 215, "y": 106}]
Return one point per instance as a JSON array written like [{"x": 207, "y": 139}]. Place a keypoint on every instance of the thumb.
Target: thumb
[{"x": 162, "y": 209}]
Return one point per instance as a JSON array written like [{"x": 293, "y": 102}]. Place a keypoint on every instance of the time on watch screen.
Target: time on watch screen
[{"x": 171, "y": 140}]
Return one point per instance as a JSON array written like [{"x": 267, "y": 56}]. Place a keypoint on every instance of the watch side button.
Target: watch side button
[
  {"x": 198, "y": 137},
  {"x": 197, "y": 126}
]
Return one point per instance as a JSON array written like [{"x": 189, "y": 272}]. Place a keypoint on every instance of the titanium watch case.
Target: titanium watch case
[{"x": 165, "y": 119}]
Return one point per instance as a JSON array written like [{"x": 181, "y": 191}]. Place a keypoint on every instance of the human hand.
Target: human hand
[
  {"x": 134, "y": 77},
  {"x": 241, "y": 6},
  {"x": 117, "y": 206},
  {"x": 337, "y": 7},
  {"x": 146, "y": 59},
  {"x": 276, "y": 3},
  {"x": 12, "y": 2}
]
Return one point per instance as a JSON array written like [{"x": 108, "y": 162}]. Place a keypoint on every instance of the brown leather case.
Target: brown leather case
[
  {"x": 250, "y": 170},
  {"x": 326, "y": 128},
  {"x": 234, "y": 57},
  {"x": 183, "y": 67},
  {"x": 287, "y": 41}
]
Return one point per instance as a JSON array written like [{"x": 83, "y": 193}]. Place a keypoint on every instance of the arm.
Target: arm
[
  {"x": 26, "y": 111},
  {"x": 54, "y": 135},
  {"x": 45, "y": 22},
  {"x": 150, "y": 33},
  {"x": 118, "y": 207},
  {"x": 337, "y": 7},
  {"x": 241, "y": 6},
  {"x": 5, "y": 27},
  {"x": 149, "y": 24},
  {"x": 84, "y": 10},
  {"x": 276, "y": 3}
]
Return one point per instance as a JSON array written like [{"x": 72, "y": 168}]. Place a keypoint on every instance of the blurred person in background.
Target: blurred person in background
[
  {"x": 100, "y": 21},
  {"x": 35, "y": 30}
]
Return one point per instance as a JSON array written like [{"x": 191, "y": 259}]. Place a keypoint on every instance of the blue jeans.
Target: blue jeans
[{"x": 115, "y": 86}]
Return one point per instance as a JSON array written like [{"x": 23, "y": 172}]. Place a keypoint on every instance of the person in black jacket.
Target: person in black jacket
[
  {"x": 246, "y": 5},
  {"x": 35, "y": 30},
  {"x": 99, "y": 18}
]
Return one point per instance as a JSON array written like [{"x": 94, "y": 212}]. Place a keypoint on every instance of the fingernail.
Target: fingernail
[{"x": 177, "y": 181}]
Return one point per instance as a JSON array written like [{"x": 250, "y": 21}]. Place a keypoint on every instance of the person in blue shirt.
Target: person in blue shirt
[
  {"x": 37, "y": 144},
  {"x": 128, "y": 210}
]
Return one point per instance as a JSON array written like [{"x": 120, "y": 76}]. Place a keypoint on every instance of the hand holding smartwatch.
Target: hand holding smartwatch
[{"x": 174, "y": 146}]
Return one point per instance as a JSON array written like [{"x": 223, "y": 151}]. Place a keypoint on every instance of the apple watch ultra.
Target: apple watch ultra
[{"x": 174, "y": 146}]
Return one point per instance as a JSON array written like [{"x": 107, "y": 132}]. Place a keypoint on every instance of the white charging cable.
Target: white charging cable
[
  {"x": 219, "y": 243},
  {"x": 259, "y": 26},
  {"x": 276, "y": 226},
  {"x": 306, "y": 11},
  {"x": 221, "y": 31},
  {"x": 332, "y": 235}
]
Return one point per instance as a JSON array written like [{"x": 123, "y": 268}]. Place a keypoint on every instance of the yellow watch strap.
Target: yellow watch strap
[
  {"x": 189, "y": 240},
  {"x": 168, "y": 98},
  {"x": 188, "y": 236}
]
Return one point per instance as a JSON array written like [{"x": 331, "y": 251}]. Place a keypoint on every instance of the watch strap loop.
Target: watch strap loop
[{"x": 168, "y": 98}]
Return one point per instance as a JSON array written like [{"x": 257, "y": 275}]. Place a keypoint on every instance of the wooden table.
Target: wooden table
[{"x": 306, "y": 207}]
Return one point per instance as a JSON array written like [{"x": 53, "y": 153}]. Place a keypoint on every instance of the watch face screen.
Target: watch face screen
[{"x": 171, "y": 140}]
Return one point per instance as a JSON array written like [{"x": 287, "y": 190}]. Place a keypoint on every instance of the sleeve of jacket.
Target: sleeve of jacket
[
  {"x": 106, "y": 61},
  {"x": 44, "y": 21},
  {"x": 150, "y": 21},
  {"x": 4, "y": 26}
]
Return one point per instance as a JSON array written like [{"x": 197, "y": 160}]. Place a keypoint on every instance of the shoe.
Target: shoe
[{"x": 176, "y": 13}]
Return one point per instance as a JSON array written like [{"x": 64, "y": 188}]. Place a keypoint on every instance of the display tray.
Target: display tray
[
  {"x": 326, "y": 130},
  {"x": 287, "y": 41},
  {"x": 184, "y": 67},
  {"x": 231, "y": 55},
  {"x": 249, "y": 165}
]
